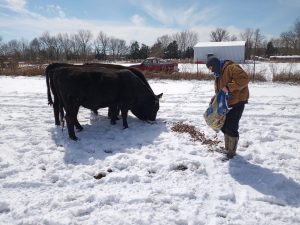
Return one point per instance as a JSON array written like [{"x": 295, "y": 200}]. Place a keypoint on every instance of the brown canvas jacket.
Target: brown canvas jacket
[{"x": 236, "y": 80}]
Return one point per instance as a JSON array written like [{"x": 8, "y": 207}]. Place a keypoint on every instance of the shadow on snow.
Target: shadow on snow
[
  {"x": 100, "y": 139},
  {"x": 278, "y": 189}
]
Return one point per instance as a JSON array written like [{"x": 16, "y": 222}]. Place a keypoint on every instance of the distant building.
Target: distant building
[{"x": 232, "y": 50}]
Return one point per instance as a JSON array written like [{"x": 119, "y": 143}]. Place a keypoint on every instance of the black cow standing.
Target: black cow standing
[
  {"x": 95, "y": 88},
  {"x": 51, "y": 87}
]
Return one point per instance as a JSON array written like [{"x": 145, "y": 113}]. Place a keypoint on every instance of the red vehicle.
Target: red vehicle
[{"x": 156, "y": 65}]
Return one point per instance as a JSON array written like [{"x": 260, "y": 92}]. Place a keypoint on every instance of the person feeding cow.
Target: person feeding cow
[{"x": 233, "y": 81}]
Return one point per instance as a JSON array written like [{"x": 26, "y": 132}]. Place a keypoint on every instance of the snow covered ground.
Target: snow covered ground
[{"x": 153, "y": 175}]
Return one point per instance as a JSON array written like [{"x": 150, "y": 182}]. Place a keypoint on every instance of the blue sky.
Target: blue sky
[{"x": 144, "y": 20}]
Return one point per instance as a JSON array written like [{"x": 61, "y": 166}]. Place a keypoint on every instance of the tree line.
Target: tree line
[{"x": 82, "y": 46}]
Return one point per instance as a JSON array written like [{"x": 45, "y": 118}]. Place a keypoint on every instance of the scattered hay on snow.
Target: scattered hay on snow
[{"x": 180, "y": 127}]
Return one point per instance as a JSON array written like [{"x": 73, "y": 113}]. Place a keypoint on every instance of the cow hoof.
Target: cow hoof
[
  {"x": 74, "y": 138},
  {"x": 79, "y": 129},
  {"x": 125, "y": 127},
  {"x": 112, "y": 122}
]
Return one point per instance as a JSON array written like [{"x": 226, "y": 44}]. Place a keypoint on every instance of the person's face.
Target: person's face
[{"x": 210, "y": 68}]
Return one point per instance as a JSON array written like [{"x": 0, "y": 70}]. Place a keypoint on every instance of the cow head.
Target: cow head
[{"x": 147, "y": 109}]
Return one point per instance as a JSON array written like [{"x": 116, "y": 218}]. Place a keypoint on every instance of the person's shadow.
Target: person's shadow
[
  {"x": 278, "y": 188},
  {"x": 100, "y": 139}
]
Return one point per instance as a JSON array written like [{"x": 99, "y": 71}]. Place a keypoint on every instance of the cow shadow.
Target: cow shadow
[
  {"x": 277, "y": 188},
  {"x": 100, "y": 139}
]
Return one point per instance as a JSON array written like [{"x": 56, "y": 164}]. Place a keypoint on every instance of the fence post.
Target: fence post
[
  {"x": 197, "y": 66},
  {"x": 253, "y": 70}
]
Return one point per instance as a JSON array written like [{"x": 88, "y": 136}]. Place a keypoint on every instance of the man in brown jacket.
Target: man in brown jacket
[{"x": 232, "y": 79}]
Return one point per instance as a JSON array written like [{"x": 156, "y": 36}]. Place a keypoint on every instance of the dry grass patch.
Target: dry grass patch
[
  {"x": 289, "y": 73},
  {"x": 258, "y": 77},
  {"x": 177, "y": 76},
  {"x": 23, "y": 71},
  {"x": 282, "y": 77}
]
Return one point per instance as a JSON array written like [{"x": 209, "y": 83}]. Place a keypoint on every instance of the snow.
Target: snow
[{"x": 152, "y": 175}]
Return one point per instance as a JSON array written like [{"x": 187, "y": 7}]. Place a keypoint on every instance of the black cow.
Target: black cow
[
  {"x": 112, "y": 114},
  {"x": 96, "y": 87}
]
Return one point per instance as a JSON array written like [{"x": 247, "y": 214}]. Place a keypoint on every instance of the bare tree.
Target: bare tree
[
  {"x": 48, "y": 45},
  {"x": 219, "y": 35},
  {"x": 14, "y": 49},
  {"x": 24, "y": 48},
  {"x": 122, "y": 48},
  {"x": 233, "y": 38},
  {"x": 57, "y": 48},
  {"x": 113, "y": 45},
  {"x": 1, "y": 47},
  {"x": 65, "y": 44},
  {"x": 164, "y": 40},
  {"x": 297, "y": 32},
  {"x": 101, "y": 44},
  {"x": 2, "y": 56},
  {"x": 290, "y": 40},
  {"x": 34, "y": 48},
  {"x": 4, "y": 50},
  {"x": 75, "y": 46},
  {"x": 276, "y": 42},
  {"x": 247, "y": 36},
  {"x": 185, "y": 40},
  {"x": 83, "y": 38},
  {"x": 258, "y": 39}
]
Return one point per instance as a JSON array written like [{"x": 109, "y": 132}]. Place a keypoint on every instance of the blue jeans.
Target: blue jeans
[{"x": 231, "y": 125}]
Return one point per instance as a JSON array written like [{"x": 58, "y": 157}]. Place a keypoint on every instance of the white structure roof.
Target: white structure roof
[{"x": 223, "y": 43}]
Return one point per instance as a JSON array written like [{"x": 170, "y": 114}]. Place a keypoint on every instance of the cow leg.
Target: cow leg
[
  {"x": 112, "y": 114},
  {"x": 56, "y": 111},
  {"x": 76, "y": 123},
  {"x": 113, "y": 111},
  {"x": 78, "y": 126},
  {"x": 117, "y": 112},
  {"x": 95, "y": 112},
  {"x": 124, "y": 112},
  {"x": 71, "y": 118}
]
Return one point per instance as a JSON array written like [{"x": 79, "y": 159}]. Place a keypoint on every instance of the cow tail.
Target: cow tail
[
  {"x": 50, "y": 101},
  {"x": 60, "y": 108}
]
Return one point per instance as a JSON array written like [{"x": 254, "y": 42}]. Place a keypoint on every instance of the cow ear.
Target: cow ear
[{"x": 160, "y": 95}]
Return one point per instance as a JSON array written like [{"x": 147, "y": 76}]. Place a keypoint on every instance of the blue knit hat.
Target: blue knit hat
[{"x": 215, "y": 63}]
